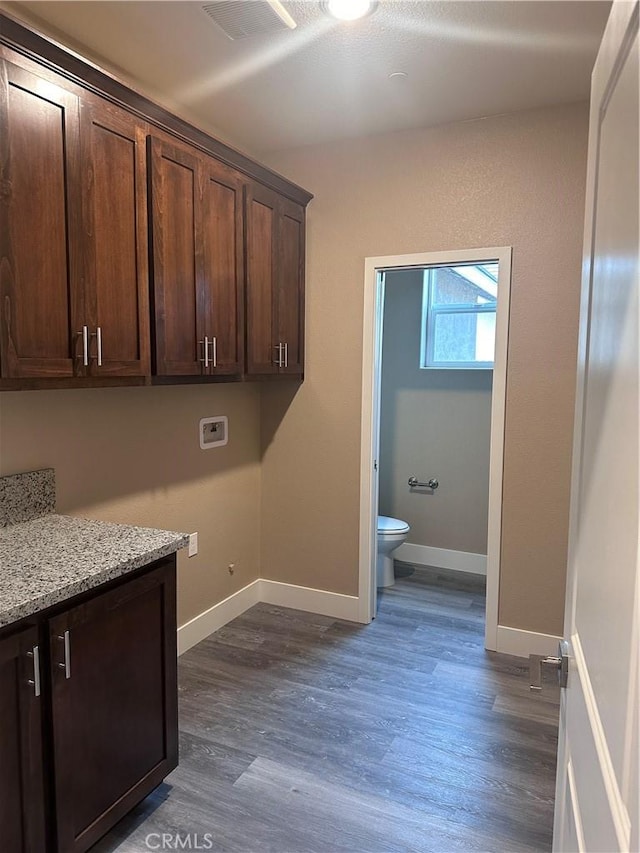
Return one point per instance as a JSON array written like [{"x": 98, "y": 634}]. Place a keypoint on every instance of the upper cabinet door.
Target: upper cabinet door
[
  {"x": 261, "y": 215},
  {"x": 176, "y": 231},
  {"x": 291, "y": 286},
  {"x": 41, "y": 310},
  {"x": 275, "y": 283},
  {"x": 223, "y": 266},
  {"x": 115, "y": 198}
]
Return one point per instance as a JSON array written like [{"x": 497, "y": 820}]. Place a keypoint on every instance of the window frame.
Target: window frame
[{"x": 427, "y": 324}]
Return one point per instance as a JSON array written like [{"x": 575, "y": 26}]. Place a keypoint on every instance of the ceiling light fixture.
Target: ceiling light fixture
[{"x": 349, "y": 10}]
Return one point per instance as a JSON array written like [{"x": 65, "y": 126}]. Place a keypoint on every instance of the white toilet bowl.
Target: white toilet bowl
[{"x": 391, "y": 534}]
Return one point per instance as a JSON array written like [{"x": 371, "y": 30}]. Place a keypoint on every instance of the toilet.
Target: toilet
[{"x": 391, "y": 534}]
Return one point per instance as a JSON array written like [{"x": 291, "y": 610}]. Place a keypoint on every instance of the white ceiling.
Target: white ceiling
[{"x": 328, "y": 80}]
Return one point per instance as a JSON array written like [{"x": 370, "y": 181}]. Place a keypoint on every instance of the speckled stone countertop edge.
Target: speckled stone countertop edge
[
  {"x": 49, "y": 599},
  {"x": 47, "y": 561}
]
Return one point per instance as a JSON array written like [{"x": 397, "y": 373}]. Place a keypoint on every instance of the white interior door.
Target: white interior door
[{"x": 597, "y": 786}]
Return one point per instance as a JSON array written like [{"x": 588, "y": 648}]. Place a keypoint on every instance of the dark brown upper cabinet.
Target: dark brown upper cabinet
[
  {"x": 41, "y": 278},
  {"x": 74, "y": 281},
  {"x": 198, "y": 272},
  {"x": 104, "y": 193},
  {"x": 290, "y": 285},
  {"x": 114, "y": 195},
  {"x": 275, "y": 242}
]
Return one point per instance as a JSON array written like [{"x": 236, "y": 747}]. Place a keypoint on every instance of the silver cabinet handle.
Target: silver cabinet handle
[
  {"x": 98, "y": 336},
  {"x": 205, "y": 347},
  {"x": 414, "y": 483},
  {"x": 35, "y": 681},
  {"x": 214, "y": 351},
  {"x": 67, "y": 654},
  {"x": 278, "y": 361},
  {"x": 85, "y": 345},
  {"x": 286, "y": 355}
]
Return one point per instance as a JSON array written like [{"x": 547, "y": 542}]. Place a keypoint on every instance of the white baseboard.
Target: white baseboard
[
  {"x": 312, "y": 600},
  {"x": 510, "y": 641},
  {"x": 215, "y": 617},
  {"x": 442, "y": 558},
  {"x": 270, "y": 592},
  {"x": 515, "y": 641}
]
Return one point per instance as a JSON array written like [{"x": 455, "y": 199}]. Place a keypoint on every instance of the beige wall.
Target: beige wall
[
  {"x": 433, "y": 423},
  {"x": 512, "y": 180},
  {"x": 132, "y": 455}
]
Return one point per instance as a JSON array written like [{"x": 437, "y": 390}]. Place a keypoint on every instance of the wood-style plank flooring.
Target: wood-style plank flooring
[{"x": 307, "y": 733}]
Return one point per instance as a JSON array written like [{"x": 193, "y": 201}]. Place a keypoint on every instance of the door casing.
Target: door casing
[{"x": 371, "y": 378}]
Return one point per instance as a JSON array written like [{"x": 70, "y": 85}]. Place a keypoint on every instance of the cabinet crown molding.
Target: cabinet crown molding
[{"x": 28, "y": 41}]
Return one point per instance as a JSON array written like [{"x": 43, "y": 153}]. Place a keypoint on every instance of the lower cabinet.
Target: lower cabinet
[
  {"x": 108, "y": 700},
  {"x": 22, "y": 804}
]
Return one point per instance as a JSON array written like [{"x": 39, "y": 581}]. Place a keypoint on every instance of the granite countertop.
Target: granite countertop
[{"x": 50, "y": 559}]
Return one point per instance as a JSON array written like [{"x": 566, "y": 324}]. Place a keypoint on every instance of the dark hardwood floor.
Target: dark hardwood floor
[{"x": 306, "y": 733}]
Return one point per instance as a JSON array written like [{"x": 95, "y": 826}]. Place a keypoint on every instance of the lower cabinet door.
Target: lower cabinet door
[
  {"x": 22, "y": 827},
  {"x": 114, "y": 704}
]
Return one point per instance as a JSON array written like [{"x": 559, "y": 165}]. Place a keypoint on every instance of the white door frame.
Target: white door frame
[{"x": 371, "y": 349}]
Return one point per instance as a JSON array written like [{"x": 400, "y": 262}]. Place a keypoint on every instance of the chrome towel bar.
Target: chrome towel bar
[{"x": 414, "y": 483}]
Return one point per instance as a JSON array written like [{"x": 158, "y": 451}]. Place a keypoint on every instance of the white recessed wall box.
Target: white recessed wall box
[{"x": 214, "y": 432}]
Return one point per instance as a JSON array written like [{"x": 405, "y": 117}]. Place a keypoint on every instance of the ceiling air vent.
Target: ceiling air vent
[{"x": 240, "y": 19}]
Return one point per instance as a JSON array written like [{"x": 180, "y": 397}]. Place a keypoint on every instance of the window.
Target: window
[{"x": 459, "y": 316}]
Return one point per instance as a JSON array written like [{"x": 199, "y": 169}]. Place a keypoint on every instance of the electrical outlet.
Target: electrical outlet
[{"x": 193, "y": 544}]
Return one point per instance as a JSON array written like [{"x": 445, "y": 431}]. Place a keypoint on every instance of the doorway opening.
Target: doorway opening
[{"x": 449, "y": 312}]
